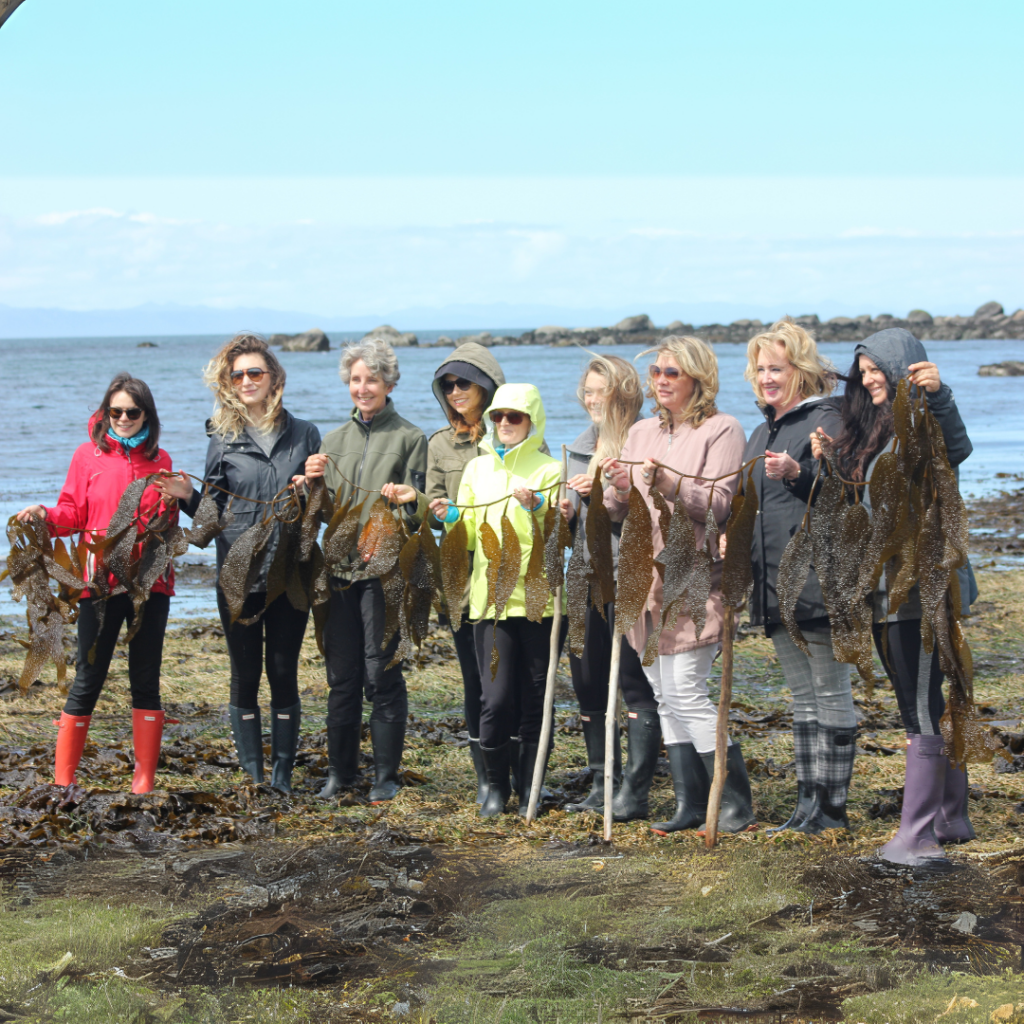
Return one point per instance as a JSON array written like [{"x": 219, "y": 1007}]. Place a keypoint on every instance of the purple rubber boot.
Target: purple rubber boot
[
  {"x": 951, "y": 822},
  {"x": 923, "y": 789}
]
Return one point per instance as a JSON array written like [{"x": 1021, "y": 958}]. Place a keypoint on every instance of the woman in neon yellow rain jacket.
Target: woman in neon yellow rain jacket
[{"x": 512, "y": 465}]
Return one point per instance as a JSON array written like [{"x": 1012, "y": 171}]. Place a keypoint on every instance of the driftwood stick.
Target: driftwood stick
[{"x": 611, "y": 727}]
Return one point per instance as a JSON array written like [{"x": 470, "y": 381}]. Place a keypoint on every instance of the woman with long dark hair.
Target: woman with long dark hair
[
  {"x": 935, "y": 793},
  {"x": 256, "y": 447},
  {"x": 123, "y": 445}
]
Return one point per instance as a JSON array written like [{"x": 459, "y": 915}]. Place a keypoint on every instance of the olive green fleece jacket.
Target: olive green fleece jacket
[{"x": 388, "y": 449}]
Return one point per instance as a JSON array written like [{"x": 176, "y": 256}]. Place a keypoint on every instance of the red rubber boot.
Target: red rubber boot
[
  {"x": 147, "y": 732},
  {"x": 72, "y": 731}
]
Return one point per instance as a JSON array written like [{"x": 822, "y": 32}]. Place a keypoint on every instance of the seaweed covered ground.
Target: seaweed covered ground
[{"x": 214, "y": 900}]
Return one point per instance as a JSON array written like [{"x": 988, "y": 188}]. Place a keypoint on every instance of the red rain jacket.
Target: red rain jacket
[{"x": 95, "y": 482}]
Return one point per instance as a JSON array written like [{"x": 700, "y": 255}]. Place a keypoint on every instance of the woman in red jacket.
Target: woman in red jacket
[{"x": 123, "y": 445}]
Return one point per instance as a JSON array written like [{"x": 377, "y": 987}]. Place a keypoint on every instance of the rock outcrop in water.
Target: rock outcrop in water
[
  {"x": 1011, "y": 368},
  {"x": 308, "y": 341}
]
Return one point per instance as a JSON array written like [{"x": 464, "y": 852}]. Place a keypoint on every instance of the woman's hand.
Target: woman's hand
[
  {"x": 616, "y": 473},
  {"x": 299, "y": 484},
  {"x": 582, "y": 484},
  {"x": 315, "y": 466},
  {"x": 174, "y": 486},
  {"x": 527, "y": 498},
  {"x": 925, "y": 375},
  {"x": 780, "y": 467},
  {"x": 439, "y": 506},
  {"x": 816, "y": 439},
  {"x": 32, "y": 512},
  {"x": 649, "y": 472},
  {"x": 565, "y": 507},
  {"x": 398, "y": 494}
]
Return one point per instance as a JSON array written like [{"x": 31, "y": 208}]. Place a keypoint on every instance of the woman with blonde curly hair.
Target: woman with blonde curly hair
[
  {"x": 691, "y": 436},
  {"x": 611, "y": 392},
  {"x": 792, "y": 385},
  {"x": 256, "y": 447}
]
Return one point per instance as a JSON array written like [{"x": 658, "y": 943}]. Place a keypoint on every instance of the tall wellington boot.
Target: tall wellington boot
[
  {"x": 736, "y": 813},
  {"x": 593, "y": 736},
  {"x": 515, "y": 743},
  {"x": 952, "y": 824},
  {"x": 247, "y": 732},
  {"x": 915, "y": 842},
  {"x": 497, "y": 764},
  {"x": 805, "y": 740},
  {"x": 342, "y": 757},
  {"x": 479, "y": 769},
  {"x": 72, "y": 731},
  {"x": 147, "y": 734},
  {"x": 643, "y": 732},
  {"x": 837, "y": 749},
  {"x": 284, "y": 742},
  {"x": 388, "y": 742},
  {"x": 691, "y": 784}
]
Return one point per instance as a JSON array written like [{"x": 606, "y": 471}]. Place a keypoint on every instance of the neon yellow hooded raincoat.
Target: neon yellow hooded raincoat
[{"x": 489, "y": 477}]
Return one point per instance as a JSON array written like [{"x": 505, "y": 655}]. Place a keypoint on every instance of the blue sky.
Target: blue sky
[{"x": 358, "y": 158}]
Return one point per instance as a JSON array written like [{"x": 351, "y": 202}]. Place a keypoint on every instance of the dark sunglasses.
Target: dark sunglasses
[
  {"x": 133, "y": 413},
  {"x": 254, "y": 373},
  {"x": 514, "y": 418},
  {"x": 671, "y": 372},
  {"x": 448, "y": 386}
]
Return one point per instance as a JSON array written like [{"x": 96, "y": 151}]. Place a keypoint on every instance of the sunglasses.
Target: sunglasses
[
  {"x": 671, "y": 372},
  {"x": 513, "y": 418},
  {"x": 254, "y": 373},
  {"x": 133, "y": 414},
  {"x": 448, "y": 386}
]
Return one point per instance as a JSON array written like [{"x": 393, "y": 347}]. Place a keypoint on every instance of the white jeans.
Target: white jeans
[{"x": 680, "y": 684}]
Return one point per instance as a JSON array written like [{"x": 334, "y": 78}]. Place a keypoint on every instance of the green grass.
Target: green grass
[{"x": 926, "y": 997}]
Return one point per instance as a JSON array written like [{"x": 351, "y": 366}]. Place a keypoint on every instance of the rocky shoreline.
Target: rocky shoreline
[{"x": 987, "y": 321}]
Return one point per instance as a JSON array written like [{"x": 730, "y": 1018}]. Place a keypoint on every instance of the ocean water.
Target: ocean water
[{"x": 51, "y": 386}]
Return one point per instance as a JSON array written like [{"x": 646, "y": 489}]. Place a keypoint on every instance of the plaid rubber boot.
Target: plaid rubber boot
[
  {"x": 836, "y": 751},
  {"x": 805, "y": 752}
]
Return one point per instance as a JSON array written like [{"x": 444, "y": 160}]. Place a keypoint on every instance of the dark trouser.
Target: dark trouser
[
  {"x": 145, "y": 651},
  {"x": 916, "y": 677},
  {"x": 590, "y": 673},
  {"x": 513, "y": 701},
  {"x": 356, "y": 665},
  {"x": 465, "y": 648},
  {"x": 282, "y": 628}
]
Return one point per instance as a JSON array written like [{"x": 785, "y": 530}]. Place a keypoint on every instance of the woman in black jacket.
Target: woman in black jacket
[
  {"x": 256, "y": 447},
  {"x": 792, "y": 384}
]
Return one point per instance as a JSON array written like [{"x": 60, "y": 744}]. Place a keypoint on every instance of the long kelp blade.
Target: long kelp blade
[
  {"x": 794, "y": 570},
  {"x": 888, "y": 520},
  {"x": 678, "y": 558},
  {"x": 664, "y": 513},
  {"x": 577, "y": 589},
  {"x": 207, "y": 523},
  {"x": 455, "y": 571},
  {"x": 509, "y": 568},
  {"x": 636, "y": 563},
  {"x": 242, "y": 565},
  {"x": 381, "y": 540},
  {"x": 123, "y": 534},
  {"x": 317, "y": 504},
  {"x": 490, "y": 545},
  {"x": 738, "y": 570},
  {"x": 599, "y": 543},
  {"x": 338, "y": 543},
  {"x": 698, "y": 591},
  {"x": 536, "y": 586},
  {"x": 558, "y": 538}
]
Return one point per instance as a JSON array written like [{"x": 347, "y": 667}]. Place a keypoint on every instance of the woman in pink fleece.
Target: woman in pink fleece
[{"x": 692, "y": 436}]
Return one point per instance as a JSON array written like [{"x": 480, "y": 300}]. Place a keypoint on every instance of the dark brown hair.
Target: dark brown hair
[
  {"x": 143, "y": 398},
  {"x": 866, "y": 426}
]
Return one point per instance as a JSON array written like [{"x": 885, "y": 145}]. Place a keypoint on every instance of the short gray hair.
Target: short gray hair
[{"x": 377, "y": 354}]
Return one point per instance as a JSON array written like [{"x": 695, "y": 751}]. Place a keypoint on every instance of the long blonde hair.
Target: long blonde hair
[
  {"x": 697, "y": 360},
  {"x": 230, "y": 416},
  {"x": 814, "y": 375},
  {"x": 624, "y": 398}
]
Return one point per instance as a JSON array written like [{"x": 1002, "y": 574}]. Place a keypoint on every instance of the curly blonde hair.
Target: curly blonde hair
[
  {"x": 623, "y": 401},
  {"x": 230, "y": 416},
  {"x": 815, "y": 375},
  {"x": 697, "y": 360}
]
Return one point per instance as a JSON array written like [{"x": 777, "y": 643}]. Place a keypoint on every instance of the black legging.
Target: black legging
[
  {"x": 145, "y": 651},
  {"x": 590, "y": 673},
  {"x": 282, "y": 628},
  {"x": 465, "y": 649},
  {"x": 916, "y": 678},
  {"x": 513, "y": 701}
]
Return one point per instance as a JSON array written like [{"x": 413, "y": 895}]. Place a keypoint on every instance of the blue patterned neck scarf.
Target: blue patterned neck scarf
[{"x": 128, "y": 443}]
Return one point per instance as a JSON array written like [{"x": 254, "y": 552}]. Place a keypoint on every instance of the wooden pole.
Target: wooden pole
[
  {"x": 549, "y": 689},
  {"x": 611, "y": 725},
  {"x": 721, "y": 730}
]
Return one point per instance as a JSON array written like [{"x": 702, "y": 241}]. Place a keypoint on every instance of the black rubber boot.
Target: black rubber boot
[
  {"x": 499, "y": 786},
  {"x": 388, "y": 742},
  {"x": 593, "y": 736},
  {"x": 691, "y": 783},
  {"x": 514, "y": 752},
  {"x": 284, "y": 742},
  {"x": 481, "y": 771},
  {"x": 247, "y": 732},
  {"x": 528, "y": 753},
  {"x": 342, "y": 758},
  {"x": 643, "y": 729},
  {"x": 823, "y": 814},
  {"x": 736, "y": 813},
  {"x": 805, "y": 804}
]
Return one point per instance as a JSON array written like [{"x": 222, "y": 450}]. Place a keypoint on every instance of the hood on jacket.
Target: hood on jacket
[
  {"x": 474, "y": 357},
  {"x": 520, "y": 398},
  {"x": 892, "y": 351}
]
